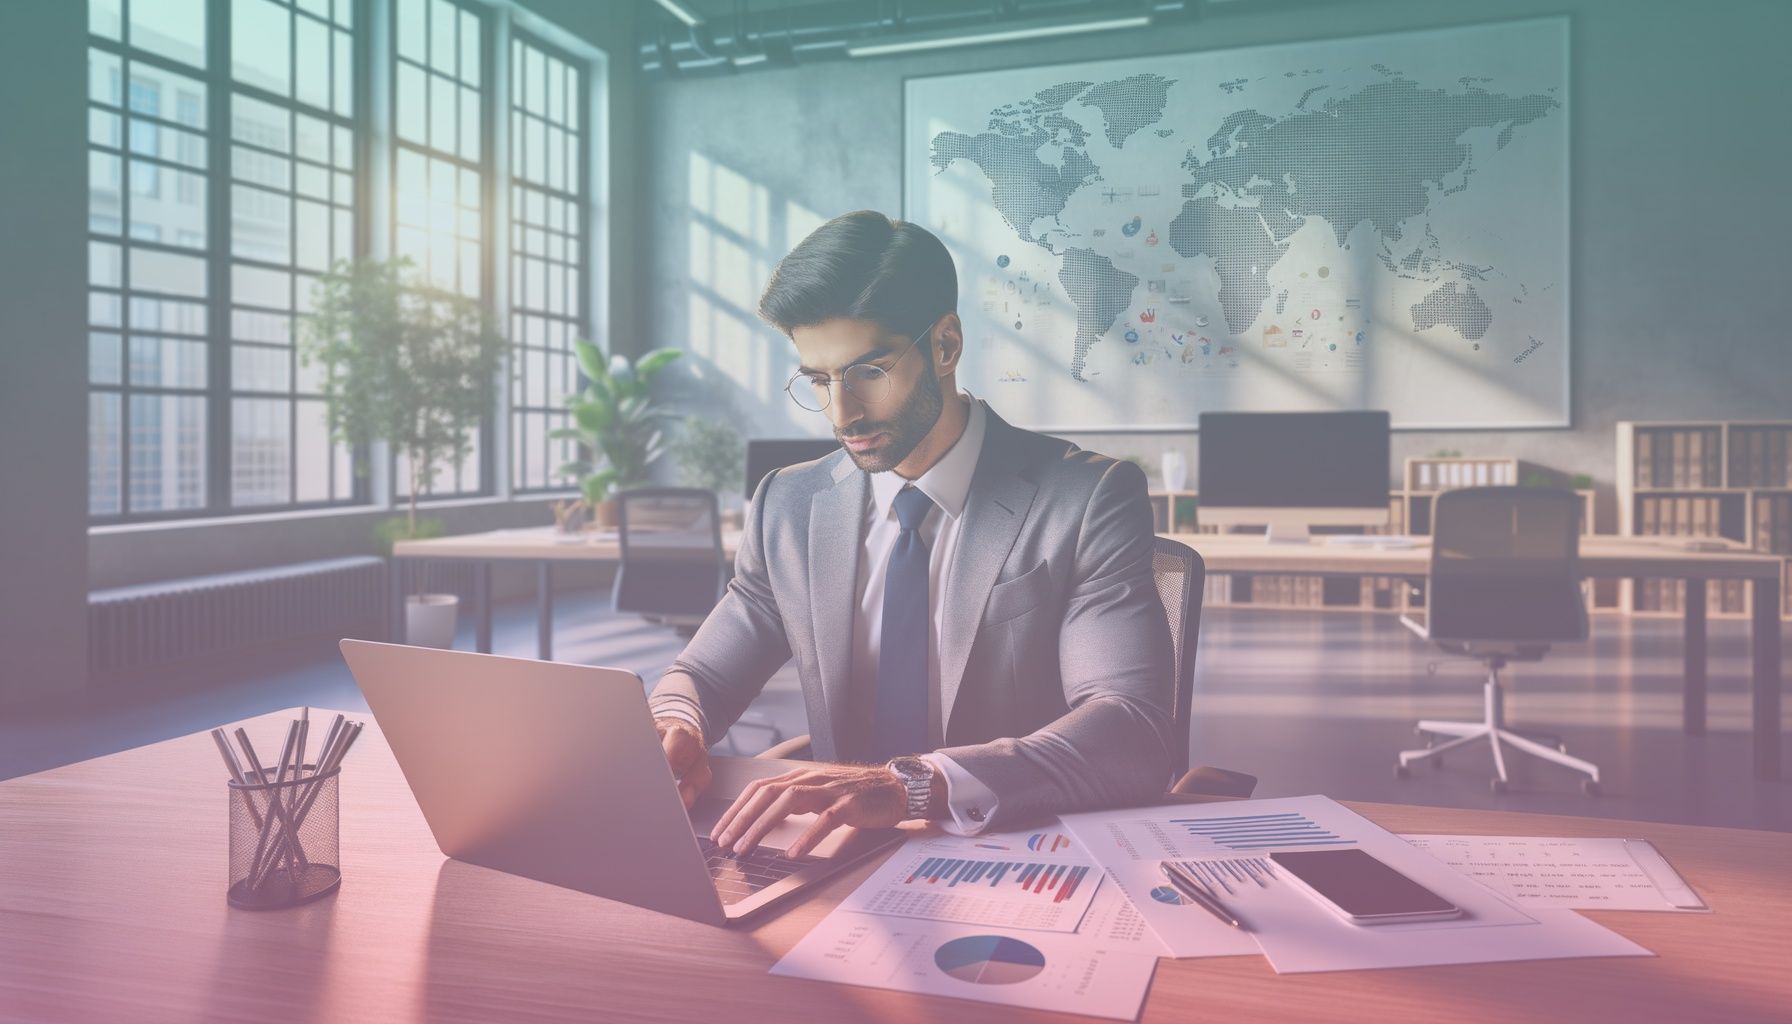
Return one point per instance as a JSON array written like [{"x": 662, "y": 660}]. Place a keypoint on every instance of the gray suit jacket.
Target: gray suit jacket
[{"x": 1055, "y": 674}]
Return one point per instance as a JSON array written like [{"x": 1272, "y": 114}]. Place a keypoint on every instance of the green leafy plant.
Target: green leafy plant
[
  {"x": 1446, "y": 453},
  {"x": 404, "y": 362},
  {"x": 1581, "y": 482},
  {"x": 616, "y": 421},
  {"x": 711, "y": 454}
]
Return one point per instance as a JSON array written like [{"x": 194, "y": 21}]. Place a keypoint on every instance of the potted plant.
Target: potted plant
[
  {"x": 713, "y": 457},
  {"x": 414, "y": 366},
  {"x": 617, "y": 424}
]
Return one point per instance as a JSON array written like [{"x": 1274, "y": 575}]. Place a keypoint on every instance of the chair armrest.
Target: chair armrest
[
  {"x": 796, "y": 748},
  {"x": 1209, "y": 781}
]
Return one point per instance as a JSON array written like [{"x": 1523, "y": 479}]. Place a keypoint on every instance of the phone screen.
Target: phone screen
[{"x": 1359, "y": 884}]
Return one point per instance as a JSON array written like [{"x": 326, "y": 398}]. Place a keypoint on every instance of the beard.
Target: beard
[{"x": 905, "y": 428}]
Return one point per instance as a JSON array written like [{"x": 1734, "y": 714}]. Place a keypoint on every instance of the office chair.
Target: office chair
[
  {"x": 672, "y": 565},
  {"x": 1179, "y": 574},
  {"x": 1503, "y": 587}
]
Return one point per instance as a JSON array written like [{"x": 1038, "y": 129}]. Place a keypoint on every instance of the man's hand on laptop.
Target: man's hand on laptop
[
  {"x": 868, "y": 796},
  {"x": 687, "y": 755}
]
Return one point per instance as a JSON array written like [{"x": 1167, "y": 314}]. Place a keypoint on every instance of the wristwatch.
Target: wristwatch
[{"x": 917, "y": 777}]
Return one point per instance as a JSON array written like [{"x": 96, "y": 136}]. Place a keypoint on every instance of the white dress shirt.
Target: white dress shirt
[{"x": 948, "y": 483}]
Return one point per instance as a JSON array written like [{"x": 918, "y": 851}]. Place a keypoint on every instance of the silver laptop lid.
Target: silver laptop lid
[{"x": 541, "y": 769}]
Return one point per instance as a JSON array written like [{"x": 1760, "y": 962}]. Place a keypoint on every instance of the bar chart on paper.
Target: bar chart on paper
[
  {"x": 975, "y": 889},
  {"x": 1259, "y": 831}
]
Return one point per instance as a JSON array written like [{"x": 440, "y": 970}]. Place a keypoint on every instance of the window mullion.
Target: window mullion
[{"x": 217, "y": 249}]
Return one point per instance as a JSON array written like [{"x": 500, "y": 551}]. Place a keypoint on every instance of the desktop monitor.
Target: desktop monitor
[
  {"x": 1293, "y": 470},
  {"x": 765, "y": 455}
]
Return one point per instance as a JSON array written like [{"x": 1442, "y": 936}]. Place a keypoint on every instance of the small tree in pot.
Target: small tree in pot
[
  {"x": 405, "y": 363},
  {"x": 618, "y": 425}
]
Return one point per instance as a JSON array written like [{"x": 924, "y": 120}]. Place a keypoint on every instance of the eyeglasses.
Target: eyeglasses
[{"x": 868, "y": 382}]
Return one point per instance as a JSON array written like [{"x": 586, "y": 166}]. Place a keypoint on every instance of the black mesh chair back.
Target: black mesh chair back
[
  {"x": 1503, "y": 566},
  {"x": 671, "y": 544},
  {"x": 1180, "y": 576}
]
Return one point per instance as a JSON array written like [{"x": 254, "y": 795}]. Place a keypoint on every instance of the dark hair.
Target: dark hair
[{"x": 863, "y": 266}]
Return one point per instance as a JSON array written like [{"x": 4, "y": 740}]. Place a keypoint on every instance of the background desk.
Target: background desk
[
  {"x": 112, "y": 878},
  {"x": 1600, "y": 558},
  {"x": 538, "y": 545}
]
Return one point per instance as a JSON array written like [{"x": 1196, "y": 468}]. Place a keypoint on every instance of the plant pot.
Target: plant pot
[
  {"x": 429, "y": 619},
  {"x": 607, "y": 515}
]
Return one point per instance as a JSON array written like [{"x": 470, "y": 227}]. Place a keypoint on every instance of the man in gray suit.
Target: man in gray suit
[{"x": 970, "y": 605}]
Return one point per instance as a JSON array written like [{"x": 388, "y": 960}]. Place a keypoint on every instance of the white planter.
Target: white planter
[
  {"x": 1175, "y": 471},
  {"x": 429, "y": 619}
]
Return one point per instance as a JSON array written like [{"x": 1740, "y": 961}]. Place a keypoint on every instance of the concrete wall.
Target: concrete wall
[
  {"x": 1680, "y": 214},
  {"x": 43, "y": 355}
]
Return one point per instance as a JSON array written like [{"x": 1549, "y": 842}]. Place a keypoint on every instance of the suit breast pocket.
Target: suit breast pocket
[{"x": 1013, "y": 598}]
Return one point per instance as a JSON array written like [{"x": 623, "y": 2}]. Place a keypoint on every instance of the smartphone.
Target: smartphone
[{"x": 1360, "y": 888}]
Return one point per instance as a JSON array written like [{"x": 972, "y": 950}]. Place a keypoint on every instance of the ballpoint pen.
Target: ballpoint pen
[{"x": 1191, "y": 889}]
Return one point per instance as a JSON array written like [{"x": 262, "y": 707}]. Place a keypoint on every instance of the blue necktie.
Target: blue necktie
[{"x": 899, "y": 722}]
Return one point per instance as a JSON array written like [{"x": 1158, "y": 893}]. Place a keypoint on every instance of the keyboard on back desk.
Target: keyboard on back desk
[{"x": 738, "y": 877}]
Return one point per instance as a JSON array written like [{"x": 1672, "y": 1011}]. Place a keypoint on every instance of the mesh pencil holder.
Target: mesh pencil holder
[{"x": 284, "y": 840}]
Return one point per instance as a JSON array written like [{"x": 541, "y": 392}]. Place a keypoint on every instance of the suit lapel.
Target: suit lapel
[
  {"x": 834, "y": 543},
  {"x": 993, "y": 513}
]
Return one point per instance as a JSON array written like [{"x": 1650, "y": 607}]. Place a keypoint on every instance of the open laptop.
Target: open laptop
[{"x": 555, "y": 772}]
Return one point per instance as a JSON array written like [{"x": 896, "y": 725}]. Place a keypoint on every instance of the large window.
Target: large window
[
  {"x": 547, "y": 239},
  {"x": 439, "y": 174},
  {"x": 221, "y": 158},
  {"x": 292, "y": 213},
  {"x": 230, "y": 145},
  {"x": 149, "y": 369}
]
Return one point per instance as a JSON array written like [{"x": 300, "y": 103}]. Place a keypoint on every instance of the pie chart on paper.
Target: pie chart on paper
[{"x": 989, "y": 959}]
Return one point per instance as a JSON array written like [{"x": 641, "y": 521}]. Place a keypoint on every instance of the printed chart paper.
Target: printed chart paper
[
  {"x": 1037, "y": 970},
  {"x": 1579, "y": 874}
]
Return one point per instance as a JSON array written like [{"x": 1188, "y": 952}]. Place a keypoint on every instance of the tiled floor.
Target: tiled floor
[{"x": 1308, "y": 702}]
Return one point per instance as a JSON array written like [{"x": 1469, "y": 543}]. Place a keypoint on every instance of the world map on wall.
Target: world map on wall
[{"x": 1311, "y": 226}]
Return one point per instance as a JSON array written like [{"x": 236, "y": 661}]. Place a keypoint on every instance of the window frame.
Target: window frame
[
  {"x": 218, "y": 395},
  {"x": 581, "y": 324}
]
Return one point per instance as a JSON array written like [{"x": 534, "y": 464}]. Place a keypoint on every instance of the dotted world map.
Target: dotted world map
[{"x": 1180, "y": 220}]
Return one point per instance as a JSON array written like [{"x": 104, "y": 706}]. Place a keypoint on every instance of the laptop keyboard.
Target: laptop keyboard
[{"x": 738, "y": 877}]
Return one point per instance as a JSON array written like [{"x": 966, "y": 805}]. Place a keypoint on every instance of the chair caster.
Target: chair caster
[
  {"x": 1437, "y": 762},
  {"x": 1498, "y": 786},
  {"x": 1590, "y": 788},
  {"x": 1402, "y": 772}
]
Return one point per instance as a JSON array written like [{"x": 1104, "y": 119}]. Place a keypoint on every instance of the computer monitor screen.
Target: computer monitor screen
[
  {"x": 1294, "y": 468},
  {"x": 765, "y": 455}
]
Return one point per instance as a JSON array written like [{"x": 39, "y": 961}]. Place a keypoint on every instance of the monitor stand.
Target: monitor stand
[{"x": 1288, "y": 533}]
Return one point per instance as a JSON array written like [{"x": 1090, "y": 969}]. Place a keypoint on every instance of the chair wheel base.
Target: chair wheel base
[
  {"x": 1498, "y": 786},
  {"x": 1402, "y": 772},
  {"x": 1590, "y": 787}
]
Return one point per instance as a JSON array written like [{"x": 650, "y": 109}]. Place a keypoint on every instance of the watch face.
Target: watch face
[{"x": 911, "y": 768}]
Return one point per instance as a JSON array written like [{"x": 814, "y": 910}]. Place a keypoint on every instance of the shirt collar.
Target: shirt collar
[{"x": 948, "y": 481}]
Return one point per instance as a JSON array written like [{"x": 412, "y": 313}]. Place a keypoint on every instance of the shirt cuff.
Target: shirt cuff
[
  {"x": 971, "y": 803},
  {"x": 677, "y": 706}
]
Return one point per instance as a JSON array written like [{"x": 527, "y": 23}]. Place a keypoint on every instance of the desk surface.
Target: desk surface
[
  {"x": 1599, "y": 556},
  {"x": 533, "y": 544},
  {"x": 112, "y": 877}
]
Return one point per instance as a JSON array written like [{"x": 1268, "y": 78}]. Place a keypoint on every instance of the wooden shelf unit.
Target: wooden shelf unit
[{"x": 1728, "y": 479}]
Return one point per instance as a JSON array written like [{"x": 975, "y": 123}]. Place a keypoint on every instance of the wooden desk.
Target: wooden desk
[
  {"x": 1600, "y": 558},
  {"x": 112, "y": 878},
  {"x": 539, "y": 545}
]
